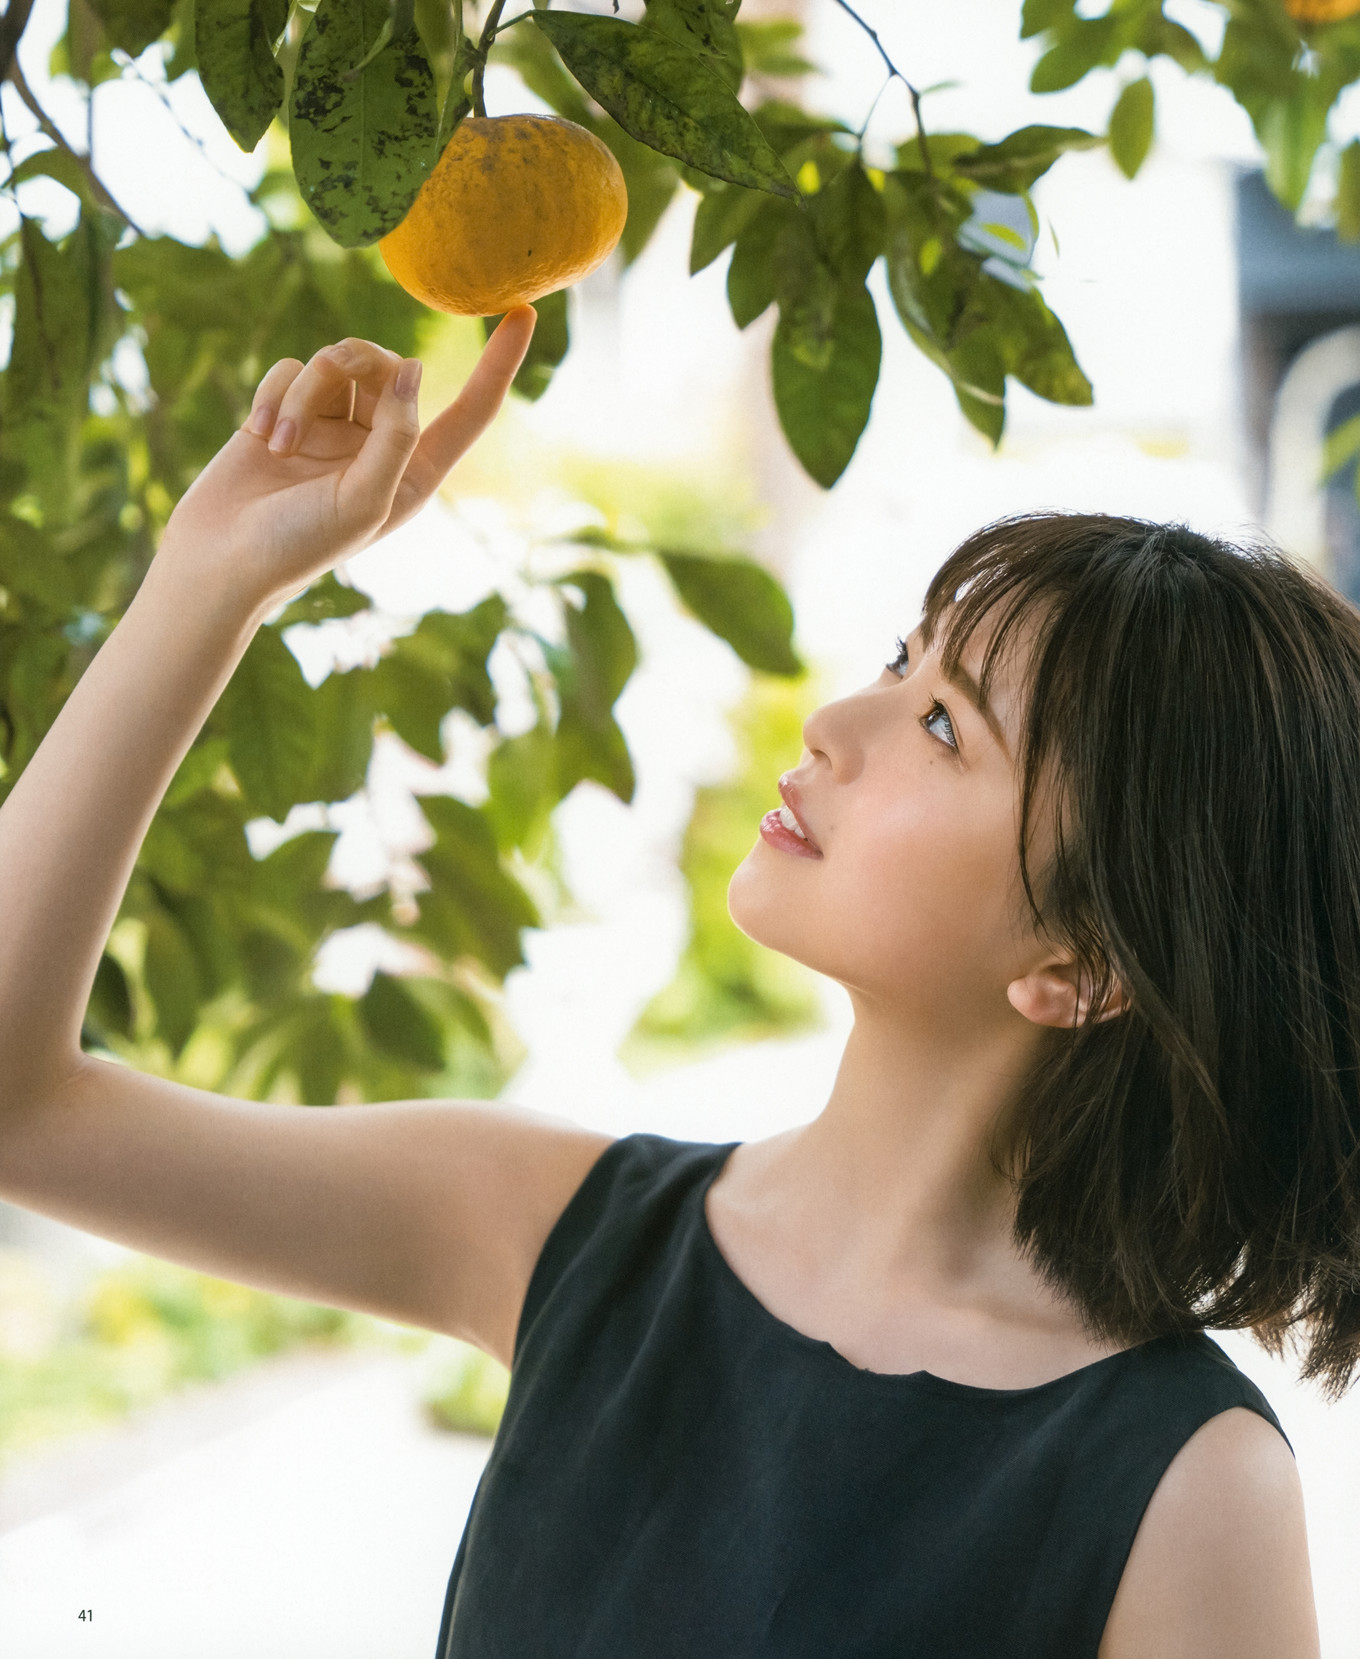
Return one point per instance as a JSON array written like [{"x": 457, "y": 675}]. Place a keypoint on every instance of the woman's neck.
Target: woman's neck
[{"x": 885, "y": 1227}]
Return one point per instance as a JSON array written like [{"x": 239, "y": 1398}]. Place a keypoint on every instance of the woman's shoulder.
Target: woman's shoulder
[
  {"x": 634, "y": 1192},
  {"x": 1219, "y": 1564}
]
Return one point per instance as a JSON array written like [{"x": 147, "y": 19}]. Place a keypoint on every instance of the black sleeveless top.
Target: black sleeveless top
[{"x": 681, "y": 1475}]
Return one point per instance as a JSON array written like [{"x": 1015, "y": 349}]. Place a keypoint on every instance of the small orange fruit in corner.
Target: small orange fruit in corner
[
  {"x": 1321, "y": 11},
  {"x": 517, "y": 206}
]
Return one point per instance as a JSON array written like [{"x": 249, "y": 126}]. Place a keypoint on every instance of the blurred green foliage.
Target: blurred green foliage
[
  {"x": 139, "y": 1332},
  {"x": 133, "y": 360},
  {"x": 465, "y": 1390},
  {"x": 727, "y": 988}
]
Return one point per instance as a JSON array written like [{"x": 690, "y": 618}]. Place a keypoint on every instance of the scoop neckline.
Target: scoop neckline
[{"x": 819, "y": 1345}]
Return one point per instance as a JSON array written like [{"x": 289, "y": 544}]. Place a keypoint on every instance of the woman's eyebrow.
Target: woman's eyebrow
[{"x": 971, "y": 690}]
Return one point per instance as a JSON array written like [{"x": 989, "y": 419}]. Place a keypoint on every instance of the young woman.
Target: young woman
[{"x": 927, "y": 1377}]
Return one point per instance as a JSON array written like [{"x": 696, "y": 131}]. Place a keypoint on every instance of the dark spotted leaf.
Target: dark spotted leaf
[
  {"x": 666, "y": 97},
  {"x": 362, "y": 148},
  {"x": 706, "y": 28},
  {"x": 234, "y": 43}
]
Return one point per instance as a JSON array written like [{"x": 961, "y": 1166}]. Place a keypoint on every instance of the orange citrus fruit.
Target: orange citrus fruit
[
  {"x": 1321, "y": 11},
  {"x": 516, "y": 207}
]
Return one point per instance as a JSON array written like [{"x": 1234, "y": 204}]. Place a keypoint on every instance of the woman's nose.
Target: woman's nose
[{"x": 835, "y": 732}]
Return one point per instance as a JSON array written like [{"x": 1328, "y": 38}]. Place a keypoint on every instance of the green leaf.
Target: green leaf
[
  {"x": 1038, "y": 15},
  {"x": 769, "y": 48},
  {"x": 723, "y": 213},
  {"x": 473, "y": 907},
  {"x": 170, "y": 971},
  {"x": 1291, "y": 131},
  {"x": 1131, "y": 126},
  {"x": 547, "y": 348},
  {"x": 849, "y": 224},
  {"x": 323, "y": 600},
  {"x": 600, "y": 657},
  {"x": 361, "y": 148},
  {"x": 1018, "y": 160},
  {"x": 270, "y": 719},
  {"x": 825, "y": 358},
  {"x": 342, "y": 720},
  {"x": 234, "y": 43},
  {"x": 442, "y": 665},
  {"x": 397, "y": 1024},
  {"x": 666, "y": 98},
  {"x": 1082, "y": 46},
  {"x": 978, "y": 372},
  {"x": 751, "y": 274},
  {"x": 742, "y": 603},
  {"x": 131, "y": 25},
  {"x": 60, "y": 165},
  {"x": 1348, "y": 193},
  {"x": 63, "y": 326},
  {"x": 110, "y": 1006},
  {"x": 704, "y": 27}
]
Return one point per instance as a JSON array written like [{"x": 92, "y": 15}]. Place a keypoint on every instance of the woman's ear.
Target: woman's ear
[{"x": 1059, "y": 993}]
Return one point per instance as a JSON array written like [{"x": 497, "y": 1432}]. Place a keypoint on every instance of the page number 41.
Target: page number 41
[{"x": 86, "y": 1615}]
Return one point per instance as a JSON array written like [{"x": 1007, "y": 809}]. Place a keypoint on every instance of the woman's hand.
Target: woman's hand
[{"x": 331, "y": 458}]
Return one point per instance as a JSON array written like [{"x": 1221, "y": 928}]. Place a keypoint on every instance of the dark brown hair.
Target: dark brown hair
[{"x": 1194, "y": 1161}]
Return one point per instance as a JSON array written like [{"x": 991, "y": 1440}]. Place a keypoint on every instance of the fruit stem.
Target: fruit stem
[
  {"x": 894, "y": 74},
  {"x": 493, "y": 17}
]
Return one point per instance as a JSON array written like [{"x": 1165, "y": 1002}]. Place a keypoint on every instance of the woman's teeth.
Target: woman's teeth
[{"x": 790, "y": 822}]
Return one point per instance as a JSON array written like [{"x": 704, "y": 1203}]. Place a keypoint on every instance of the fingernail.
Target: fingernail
[
  {"x": 408, "y": 377},
  {"x": 261, "y": 421},
  {"x": 282, "y": 441}
]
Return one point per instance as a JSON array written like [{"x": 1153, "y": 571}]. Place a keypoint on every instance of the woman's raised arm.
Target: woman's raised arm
[{"x": 430, "y": 1212}]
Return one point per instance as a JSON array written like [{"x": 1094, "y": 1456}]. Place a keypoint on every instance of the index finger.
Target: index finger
[{"x": 454, "y": 431}]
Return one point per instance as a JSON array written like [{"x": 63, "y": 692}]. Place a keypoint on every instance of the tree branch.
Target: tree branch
[
  {"x": 49, "y": 128},
  {"x": 894, "y": 74},
  {"x": 493, "y": 17}
]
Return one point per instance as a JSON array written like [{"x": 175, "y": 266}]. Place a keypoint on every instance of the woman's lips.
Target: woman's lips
[
  {"x": 775, "y": 833},
  {"x": 784, "y": 827}
]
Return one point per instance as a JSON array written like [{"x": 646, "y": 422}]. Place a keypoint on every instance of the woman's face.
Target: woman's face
[{"x": 907, "y": 889}]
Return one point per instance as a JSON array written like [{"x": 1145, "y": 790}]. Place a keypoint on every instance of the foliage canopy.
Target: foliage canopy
[{"x": 687, "y": 95}]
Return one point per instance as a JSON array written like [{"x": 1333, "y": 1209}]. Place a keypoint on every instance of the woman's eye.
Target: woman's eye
[
  {"x": 938, "y": 711},
  {"x": 898, "y": 664}
]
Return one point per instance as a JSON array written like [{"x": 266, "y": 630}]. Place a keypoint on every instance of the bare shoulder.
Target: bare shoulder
[{"x": 1219, "y": 1566}]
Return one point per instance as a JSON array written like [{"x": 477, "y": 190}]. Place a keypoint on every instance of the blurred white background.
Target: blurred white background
[{"x": 311, "y": 1514}]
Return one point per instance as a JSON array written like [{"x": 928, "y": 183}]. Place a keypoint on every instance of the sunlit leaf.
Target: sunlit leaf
[
  {"x": 666, "y": 97},
  {"x": 740, "y": 602},
  {"x": 1019, "y": 160},
  {"x": 1131, "y": 125}
]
